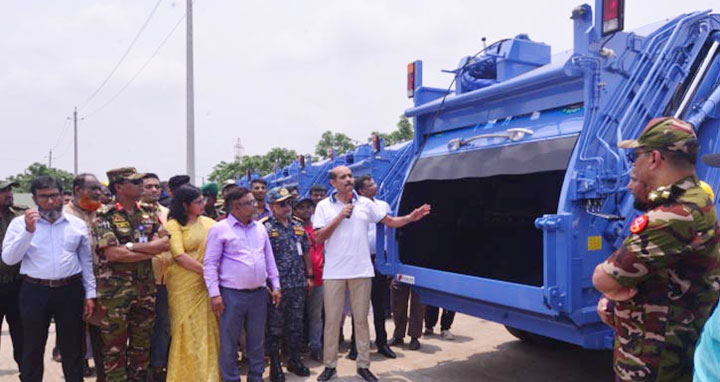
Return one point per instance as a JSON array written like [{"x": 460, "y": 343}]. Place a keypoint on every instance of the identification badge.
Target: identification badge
[{"x": 299, "y": 247}]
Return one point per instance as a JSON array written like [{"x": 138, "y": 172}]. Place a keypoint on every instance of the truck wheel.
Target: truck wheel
[
  {"x": 525, "y": 336},
  {"x": 520, "y": 334}
]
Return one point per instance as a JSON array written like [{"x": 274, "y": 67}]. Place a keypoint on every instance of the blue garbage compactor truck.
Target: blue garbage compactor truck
[
  {"x": 386, "y": 164},
  {"x": 520, "y": 164}
]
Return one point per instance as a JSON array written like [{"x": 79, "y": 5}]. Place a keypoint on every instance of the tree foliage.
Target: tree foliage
[
  {"x": 404, "y": 132},
  {"x": 329, "y": 140},
  {"x": 38, "y": 169},
  {"x": 263, "y": 164}
]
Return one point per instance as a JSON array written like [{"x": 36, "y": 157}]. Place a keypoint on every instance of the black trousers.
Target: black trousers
[
  {"x": 38, "y": 304},
  {"x": 378, "y": 298},
  {"x": 10, "y": 310},
  {"x": 431, "y": 317}
]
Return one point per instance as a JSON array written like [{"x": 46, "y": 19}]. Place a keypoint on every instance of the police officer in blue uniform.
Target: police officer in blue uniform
[{"x": 291, "y": 248}]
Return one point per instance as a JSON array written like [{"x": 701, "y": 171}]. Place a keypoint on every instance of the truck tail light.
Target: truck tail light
[
  {"x": 613, "y": 16},
  {"x": 411, "y": 80},
  {"x": 376, "y": 143}
]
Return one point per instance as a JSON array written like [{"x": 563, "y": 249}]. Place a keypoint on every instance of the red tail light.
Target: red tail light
[
  {"x": 376, "y": 143},
  {"x": 411, "y": 80},
  {"x": 613, "y": 17}
]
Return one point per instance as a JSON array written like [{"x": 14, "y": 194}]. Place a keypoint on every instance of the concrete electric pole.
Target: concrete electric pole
[
  {"x": 190, "y": 97},
  {"x": 75, "y": 139}
]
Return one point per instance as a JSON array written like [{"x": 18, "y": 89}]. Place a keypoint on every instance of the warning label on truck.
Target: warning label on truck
[
  {"x": 407, "y": 279},
  {"x": 594, "y": 243}
]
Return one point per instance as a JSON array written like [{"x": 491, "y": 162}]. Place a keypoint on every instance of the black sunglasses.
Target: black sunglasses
[{"x": 284, "y": 204}]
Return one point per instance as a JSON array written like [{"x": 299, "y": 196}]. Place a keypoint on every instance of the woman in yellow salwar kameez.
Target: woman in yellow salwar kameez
[{"x": 194, "y": 335}]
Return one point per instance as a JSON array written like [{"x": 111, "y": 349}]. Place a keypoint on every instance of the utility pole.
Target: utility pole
[
  {"x": 50, "y": 159},
  {"x": 75, "y": 121},
  {"x": 190, "y": 97}
]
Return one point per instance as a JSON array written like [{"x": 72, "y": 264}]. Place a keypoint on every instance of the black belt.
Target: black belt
[{"x": 54, "y": 283}]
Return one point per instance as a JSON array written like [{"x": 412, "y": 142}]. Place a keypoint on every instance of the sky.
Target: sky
[{"x": 272, "y": 73}]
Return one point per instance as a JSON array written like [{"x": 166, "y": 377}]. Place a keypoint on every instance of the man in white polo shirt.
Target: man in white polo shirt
[{"x": 341, "y": 221}]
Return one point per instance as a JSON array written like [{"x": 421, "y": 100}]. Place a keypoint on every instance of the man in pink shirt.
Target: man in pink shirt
[{"x": 238, "y": 264}]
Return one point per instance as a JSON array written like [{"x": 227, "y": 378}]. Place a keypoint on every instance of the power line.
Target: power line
[
  {"x": 127, "y": 51},
  {"x": 63, "y": 132},
  {"x": 137, "y": 74}
]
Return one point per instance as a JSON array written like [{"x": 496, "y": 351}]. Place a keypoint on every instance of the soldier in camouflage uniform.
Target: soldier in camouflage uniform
[
  {"x": 127, "y": 237},
  {"x": 10, "y": 278},
  {"x": 292, "y": 255},
  {"x": 213, "y": 209},
  {"x": 661, "y": 284}
]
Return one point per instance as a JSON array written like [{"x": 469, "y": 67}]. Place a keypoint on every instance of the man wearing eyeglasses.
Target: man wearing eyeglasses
[
  {"x": 238, "y": 267},
  {"x": 127, "y": 238},
  {"x": 10, "y": 278},
  {"x": 661, "y": 284},
  {"x": 54, "y": 251},
  {"x": 291, "y": 249}
]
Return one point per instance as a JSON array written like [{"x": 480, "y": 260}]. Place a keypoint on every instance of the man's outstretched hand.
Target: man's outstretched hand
[{"x": 420, "y": 212}]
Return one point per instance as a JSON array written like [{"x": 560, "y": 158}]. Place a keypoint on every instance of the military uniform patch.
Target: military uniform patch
[{"x": 639, "y": 224}]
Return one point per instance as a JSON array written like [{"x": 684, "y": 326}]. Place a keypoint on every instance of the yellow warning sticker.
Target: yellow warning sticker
[{"x": 594, "y": 243}]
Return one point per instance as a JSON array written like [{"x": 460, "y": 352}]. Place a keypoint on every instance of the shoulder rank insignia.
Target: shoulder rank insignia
[
  {"x": 639, "y": 224},
  {"x": 263, "y": 220}
]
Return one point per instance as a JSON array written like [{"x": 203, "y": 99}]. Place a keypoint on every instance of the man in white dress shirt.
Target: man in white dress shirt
[{"x": 54, "y": 251}]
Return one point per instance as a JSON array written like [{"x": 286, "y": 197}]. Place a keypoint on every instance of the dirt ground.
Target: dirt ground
[{"x": 482, "y": 351}]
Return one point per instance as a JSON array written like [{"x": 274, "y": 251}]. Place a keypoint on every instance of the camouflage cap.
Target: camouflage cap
[
  {"x": 124, "y": 173},
  {"x": 7, "y": 183},
  {"x": 665, "y": 133},
  {"x": 278, "y": 194}
]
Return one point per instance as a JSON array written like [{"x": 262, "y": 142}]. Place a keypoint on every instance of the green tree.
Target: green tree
[
  {"x": 404, "y": 132},
  {"x": 329, "y": 140},
  {"x": 38, "y": 169},
  {"x": 263, "y": 164},
  {"x": 283, "y": 157}
]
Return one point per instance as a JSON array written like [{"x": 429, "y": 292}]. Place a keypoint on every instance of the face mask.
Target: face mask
[
  {"x": 89, "y": 204},
  {"x": 50, "y": 215}
]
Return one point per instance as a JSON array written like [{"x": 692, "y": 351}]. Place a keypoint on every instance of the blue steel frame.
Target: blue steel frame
[
  {"x": 386, "y": 165},
  {"x": 622, "y": 81}
]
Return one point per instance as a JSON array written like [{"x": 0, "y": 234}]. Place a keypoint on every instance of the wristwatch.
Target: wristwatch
[
  {"x": 311, "y": 277},
  {"x": 129, "y": 245}
]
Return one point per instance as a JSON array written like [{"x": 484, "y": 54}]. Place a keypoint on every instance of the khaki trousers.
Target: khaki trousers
[{"x": 334, "y": 300}]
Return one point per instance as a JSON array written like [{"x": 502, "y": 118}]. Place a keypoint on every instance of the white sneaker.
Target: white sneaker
[{"x": 447, "y": 335}]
